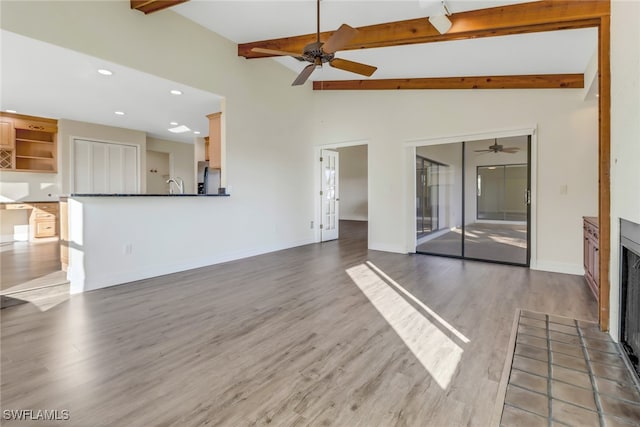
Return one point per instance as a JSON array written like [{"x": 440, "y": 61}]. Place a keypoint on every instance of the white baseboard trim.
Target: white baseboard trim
[
  {"x": 354, "y": 218},
  {"x": 558, "y": 267},
  {"x": 398, "y": 249}
]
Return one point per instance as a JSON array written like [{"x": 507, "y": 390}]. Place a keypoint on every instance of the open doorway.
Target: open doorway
[
  {"x": 354, "y": 197},
  {"x": 343, "y": 212}
]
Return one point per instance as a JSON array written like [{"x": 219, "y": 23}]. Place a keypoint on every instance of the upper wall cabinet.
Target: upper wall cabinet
[{"x": 28, "y": 143}]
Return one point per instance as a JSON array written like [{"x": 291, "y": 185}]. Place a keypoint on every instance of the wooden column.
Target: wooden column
[
  {"x": 215, "y": 140},
  {"x": 604, "y": 167}
]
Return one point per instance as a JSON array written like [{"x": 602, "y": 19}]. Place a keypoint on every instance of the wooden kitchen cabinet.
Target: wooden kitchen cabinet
[
  {"x": 591, "y": 254},
  {"x": 7, "y": 144},
  {"x": 44, "y": 219},
  {"x": 214, "y": 147},
  {"x": 29, "y": 144}
]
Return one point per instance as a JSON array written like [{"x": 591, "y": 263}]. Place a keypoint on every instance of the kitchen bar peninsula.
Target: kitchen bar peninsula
[{"x": 116, "y": 239}]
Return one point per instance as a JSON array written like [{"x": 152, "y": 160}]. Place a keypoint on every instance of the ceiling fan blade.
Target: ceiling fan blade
[
  {"x": 277, "y": 52},
  {"x": 511, "y": 148},
  {"x": 354, "y": 67},
  {"x": 304, "y": 75},
  {"x": 339, "y": 39},
  {"x": 483, "y": 151},
  {"x": 510, "y": 151}
]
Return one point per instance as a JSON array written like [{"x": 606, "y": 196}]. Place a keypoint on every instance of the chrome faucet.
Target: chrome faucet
[{"x": 178, "y": 182}]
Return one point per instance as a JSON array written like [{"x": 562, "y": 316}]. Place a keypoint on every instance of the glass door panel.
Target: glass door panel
[
  {"x": 496, "y": 226},
  {"x": 438, "y": 201}
]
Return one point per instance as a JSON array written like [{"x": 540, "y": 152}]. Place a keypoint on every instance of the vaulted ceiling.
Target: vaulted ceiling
[{"x": 551, "y": 40}]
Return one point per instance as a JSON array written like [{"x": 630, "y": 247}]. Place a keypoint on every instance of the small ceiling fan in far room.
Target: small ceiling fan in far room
[
  {"x": 497, "y": 148},
  {"x": 318, "y": 53}
]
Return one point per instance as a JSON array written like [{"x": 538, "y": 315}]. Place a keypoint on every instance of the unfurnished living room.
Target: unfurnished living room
[{"x": 320, "y": 213}]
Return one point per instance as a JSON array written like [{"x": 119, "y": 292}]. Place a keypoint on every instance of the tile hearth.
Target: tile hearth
[{"x": 568, "y": 372}]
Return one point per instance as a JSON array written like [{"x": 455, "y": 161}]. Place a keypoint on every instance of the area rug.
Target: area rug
[{"x": 562, "y": 371}]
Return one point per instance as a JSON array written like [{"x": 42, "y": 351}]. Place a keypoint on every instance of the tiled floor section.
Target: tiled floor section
[{"x": 567, "y": 372}]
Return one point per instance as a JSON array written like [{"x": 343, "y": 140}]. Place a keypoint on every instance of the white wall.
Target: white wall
[
  {"x": 354, "y": 202},
  {"x": 27, "y": 186},
  {"x": 625, "y": 134},
  {"x": 269, "y": 156},
  {"x": 183, "y": 156},
  {"x": 270, "y": 162},
  {"x": 164, "y": 235},
  {"x": 567, "y": 153}
]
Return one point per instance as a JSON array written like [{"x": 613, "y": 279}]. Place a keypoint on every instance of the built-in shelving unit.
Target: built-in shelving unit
[{"x": 28, "y": 143}]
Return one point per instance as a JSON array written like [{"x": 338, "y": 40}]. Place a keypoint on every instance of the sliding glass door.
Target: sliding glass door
[
  {"x": 483, "y": 200},
  {"x": 427, "y": 184}
]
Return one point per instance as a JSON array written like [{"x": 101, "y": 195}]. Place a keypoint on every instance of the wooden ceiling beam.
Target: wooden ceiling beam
[
  {"x": 538, "y": 81},
  {"x": 150, "y": 6},
  {"x": 545, "y": 15}
]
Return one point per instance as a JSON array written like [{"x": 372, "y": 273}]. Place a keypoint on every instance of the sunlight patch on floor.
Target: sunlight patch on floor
[{"x": 438, "y": 353}]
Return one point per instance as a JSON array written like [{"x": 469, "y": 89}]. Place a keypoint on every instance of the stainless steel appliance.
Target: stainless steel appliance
[{"x": 208, "y": 179}]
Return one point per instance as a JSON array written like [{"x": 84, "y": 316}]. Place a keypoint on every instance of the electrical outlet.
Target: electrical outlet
[
  {"x": 311, "y": 225},
  {"x": 127, "y": 249}
]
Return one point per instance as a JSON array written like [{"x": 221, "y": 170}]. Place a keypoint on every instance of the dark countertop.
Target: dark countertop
[
  {"x": 27, "y": 202},
  {"x": 148, "y": 195}
]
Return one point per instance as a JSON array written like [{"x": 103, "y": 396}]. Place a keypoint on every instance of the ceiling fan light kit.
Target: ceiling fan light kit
[
  {"x": 441, "y": 23},
  {"x": 498, "y": 148},
  {"x": 318, "y": 53}
]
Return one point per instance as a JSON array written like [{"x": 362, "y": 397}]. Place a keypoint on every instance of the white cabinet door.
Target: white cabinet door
[{"x": 106, "y": 168}]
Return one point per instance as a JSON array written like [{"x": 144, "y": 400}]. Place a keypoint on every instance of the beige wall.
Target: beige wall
[{"x": 182, "y": 157}]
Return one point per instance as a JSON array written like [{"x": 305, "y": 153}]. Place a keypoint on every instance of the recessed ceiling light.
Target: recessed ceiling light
[
  {"x": 105, "y": 72},
  {"x": 11, "y": 111},
  {"x": 196, "y": 132},
  {"x": 119, "y": 113},
  {"x": 179, "y": 129},
  {"x": 174, "y": 123},
  {"x": 176, "y": 92}
]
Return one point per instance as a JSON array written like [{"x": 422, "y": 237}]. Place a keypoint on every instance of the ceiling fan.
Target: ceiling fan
[
  {"x": 497, "y": 148},
  {"x": 318, "y": 53}
]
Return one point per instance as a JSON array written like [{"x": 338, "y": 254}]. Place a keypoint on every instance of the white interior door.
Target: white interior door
[
  {"x": 329, "y": 195},
  {"x": 107, "y": 168}
]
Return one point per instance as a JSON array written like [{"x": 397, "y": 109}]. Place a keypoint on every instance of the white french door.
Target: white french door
[
  {"x": 104, "y": 168},
  {"x": 329, "y": 195}
]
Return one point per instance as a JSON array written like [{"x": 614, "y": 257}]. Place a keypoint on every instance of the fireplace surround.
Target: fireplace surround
[{"x": 630, "y": 293}]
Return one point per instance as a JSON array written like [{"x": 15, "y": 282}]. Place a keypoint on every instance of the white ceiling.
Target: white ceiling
[
  {"x": 537, "y": 53},
  {"x": 69, "y": 86}
]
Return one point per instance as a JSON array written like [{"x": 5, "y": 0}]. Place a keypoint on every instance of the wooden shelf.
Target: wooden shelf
[
  {"x": 32, "y": 146},
  {"x": 37, "y": 141},
  {"x": 33, "y": 157}
]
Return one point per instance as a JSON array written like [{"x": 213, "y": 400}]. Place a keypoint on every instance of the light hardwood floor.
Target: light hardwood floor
[
  {"x": 27, "y": 265},
  {"x": 323, "y": 334}
]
